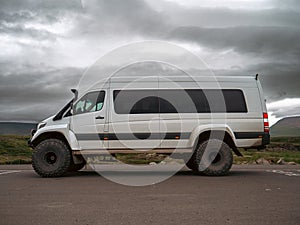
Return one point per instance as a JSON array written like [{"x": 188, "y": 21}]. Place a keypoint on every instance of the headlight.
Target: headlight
[{"x": 41, "y": 125}]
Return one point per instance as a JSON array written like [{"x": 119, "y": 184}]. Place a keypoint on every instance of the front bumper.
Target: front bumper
[{"x": 32, "y": 132}]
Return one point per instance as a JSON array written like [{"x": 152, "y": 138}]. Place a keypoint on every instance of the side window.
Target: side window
[
  {"x": 136, "y": 101},
  {"x": 176, "y": 101},
  {"x": 235, "y": 101},
  {"x": 166, "y": 107},
  {"x": 179, "y": 101},
  {"x": 229, "y": 100},
  {"x": 90, "y": 102},
  {"x": 145, "y": 105}
]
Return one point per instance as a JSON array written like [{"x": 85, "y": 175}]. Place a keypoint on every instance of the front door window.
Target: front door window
[{"x": 90, "y": 102}]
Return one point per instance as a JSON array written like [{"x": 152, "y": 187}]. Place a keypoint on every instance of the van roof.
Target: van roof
[
  {"x": 182, "y": 78},
  {"x": 241, "y": 81}
]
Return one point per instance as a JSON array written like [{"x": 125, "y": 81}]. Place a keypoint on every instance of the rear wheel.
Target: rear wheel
[
  {"x": 212, "y": 157},
  {"x": 51, "y": 158}
]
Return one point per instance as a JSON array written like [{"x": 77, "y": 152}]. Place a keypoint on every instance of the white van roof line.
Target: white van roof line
[{"x": 179, "y": 78}]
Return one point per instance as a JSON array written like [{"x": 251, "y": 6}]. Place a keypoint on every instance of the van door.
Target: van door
[
  {"x": 178, "y": 115},
  {"x": 134, "y": 116},
  {"x": 175, "y": 126},
  {"x": 89, "y": 119}
]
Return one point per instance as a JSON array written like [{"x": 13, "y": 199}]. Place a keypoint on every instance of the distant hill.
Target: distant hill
[
  {"x": 16, "y": 128},
  {"x": 289, "y": 126}
]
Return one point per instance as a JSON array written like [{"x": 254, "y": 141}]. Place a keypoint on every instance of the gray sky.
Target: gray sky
[{"x": 47, "y": 45}]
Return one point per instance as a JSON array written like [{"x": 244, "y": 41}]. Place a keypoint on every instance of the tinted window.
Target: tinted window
[
  {"x": 145, "y": 105},
  {"x": 90, "y": 102},
  {"x": 136, "y": 101},
  {"x": 179, "y": 101},
  {"x": 183, "y": 101},
  {"x": 166, "y": 107},
  {"x": 235, "y": 101}
]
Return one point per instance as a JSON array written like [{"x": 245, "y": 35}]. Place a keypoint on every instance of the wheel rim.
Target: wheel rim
[{"x": 50, "y": 158}]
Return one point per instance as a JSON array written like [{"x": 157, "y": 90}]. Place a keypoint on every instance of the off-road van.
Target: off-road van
[{"x": 204, "y": 118}]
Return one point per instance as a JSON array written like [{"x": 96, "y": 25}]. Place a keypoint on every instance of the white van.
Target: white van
[{"x": 203, "y": 119}]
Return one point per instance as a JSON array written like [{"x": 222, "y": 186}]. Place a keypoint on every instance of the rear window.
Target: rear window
[{"x": 179, "y": 101}]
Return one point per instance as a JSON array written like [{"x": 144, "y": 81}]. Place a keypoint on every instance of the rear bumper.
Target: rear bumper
[{"x": 261, "y": 139}]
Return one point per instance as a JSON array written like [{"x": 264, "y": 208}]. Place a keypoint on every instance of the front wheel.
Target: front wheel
[
  {"x": 212, "y": 157},
  {"x": 51, "y": 158}
]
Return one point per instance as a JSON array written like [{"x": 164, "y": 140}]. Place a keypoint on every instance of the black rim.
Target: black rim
[{"x": 50, "y": 157}]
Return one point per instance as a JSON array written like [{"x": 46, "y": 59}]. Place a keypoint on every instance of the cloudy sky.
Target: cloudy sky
[{"x": 45, "y": 46}]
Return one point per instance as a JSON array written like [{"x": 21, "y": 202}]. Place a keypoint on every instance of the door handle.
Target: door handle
[{"x": 99, "y": 117}]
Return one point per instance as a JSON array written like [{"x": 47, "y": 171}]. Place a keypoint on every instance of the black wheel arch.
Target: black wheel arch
[
  {"x": 220, "y": 135},
  {"x": 50, "y": 135}
]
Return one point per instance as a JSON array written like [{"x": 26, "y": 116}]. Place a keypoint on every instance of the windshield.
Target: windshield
[{"x": 64, "y": 112}]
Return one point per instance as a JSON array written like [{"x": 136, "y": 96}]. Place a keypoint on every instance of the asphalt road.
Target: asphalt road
[{"x": 249, "y": 195}]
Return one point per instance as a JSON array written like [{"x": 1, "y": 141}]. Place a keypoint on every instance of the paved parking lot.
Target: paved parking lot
[{"x": 249, "y": 195}]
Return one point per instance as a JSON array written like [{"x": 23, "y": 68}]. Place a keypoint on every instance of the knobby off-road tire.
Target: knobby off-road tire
[
  {"x": 212, "y": 157},
  {"x": 51, "y": 158}
]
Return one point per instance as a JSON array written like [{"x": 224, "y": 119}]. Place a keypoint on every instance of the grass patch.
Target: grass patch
[
  {"x": 250, "y": 156},
  {"x": 286, "y": 140},
  {"x": 14, "y": 149},
  {"x": 286, "y": 148}
]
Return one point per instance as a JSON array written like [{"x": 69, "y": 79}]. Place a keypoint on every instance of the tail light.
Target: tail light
[{"x": 266, "y": 122}]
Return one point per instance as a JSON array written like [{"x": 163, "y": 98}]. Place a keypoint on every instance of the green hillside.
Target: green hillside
[{"x": 289, "y": 126}]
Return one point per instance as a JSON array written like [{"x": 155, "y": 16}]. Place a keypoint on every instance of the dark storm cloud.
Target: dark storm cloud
[
  {"x": 32, "y": 94},
  {"x": 53, "y": 6},
  {"x": 289, "y": 4},
  {"x": 23, "y": 16},
  {"x": 21, "y": 32},
  {"x": 254, "y": 31},
  {"x": 34, "y": 90},
  {"x": 229, "y": 17},
  {"x": 114, "y": 17},
  {"x": 279, "y": 80},
  {"x": 261, "y": 41}
]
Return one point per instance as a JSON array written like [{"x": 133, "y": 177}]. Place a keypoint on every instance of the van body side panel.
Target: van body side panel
[{"x": 180, "y": 130}]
